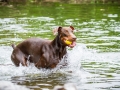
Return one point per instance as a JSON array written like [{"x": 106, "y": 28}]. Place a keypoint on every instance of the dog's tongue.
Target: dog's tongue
[{"x": 72, "y": 45}]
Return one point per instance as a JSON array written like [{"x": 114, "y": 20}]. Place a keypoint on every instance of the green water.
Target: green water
[{"x": 97, "y": 27}]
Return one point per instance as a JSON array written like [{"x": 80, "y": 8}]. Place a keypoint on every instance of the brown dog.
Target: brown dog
[{"x": 44, "y": 53}]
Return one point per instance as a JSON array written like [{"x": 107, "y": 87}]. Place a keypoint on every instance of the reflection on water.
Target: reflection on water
[{"x": 94, "y": 64}]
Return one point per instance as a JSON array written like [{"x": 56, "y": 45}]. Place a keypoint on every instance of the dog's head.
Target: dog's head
[{"x": 66, "y": 35}]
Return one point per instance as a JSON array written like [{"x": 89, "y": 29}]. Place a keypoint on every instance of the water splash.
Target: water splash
[{"x": 7, "y": 68}]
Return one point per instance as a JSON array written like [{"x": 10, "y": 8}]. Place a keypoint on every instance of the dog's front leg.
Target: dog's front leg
[{"x": 41, "y": 62}]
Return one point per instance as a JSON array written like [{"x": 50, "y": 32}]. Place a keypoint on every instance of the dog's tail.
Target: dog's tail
[{"x": 13, "y": 46}]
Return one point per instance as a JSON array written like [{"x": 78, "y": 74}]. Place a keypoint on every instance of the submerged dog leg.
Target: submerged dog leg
[{"x": 28, "y": 59}]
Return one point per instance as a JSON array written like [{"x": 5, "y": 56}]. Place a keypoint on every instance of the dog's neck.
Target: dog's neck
[
  {"x": 59, "y": 47},
  {"x": 57, "y": 43}
]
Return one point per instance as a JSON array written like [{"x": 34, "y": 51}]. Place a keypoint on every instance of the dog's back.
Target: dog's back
[{"x": 32, "y": 45}]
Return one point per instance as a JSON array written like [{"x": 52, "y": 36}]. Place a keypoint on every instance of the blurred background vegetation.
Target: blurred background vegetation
[{"x": 4, "y": 2}]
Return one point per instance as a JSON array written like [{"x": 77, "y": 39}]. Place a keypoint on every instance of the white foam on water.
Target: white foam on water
[{"x": 7, "y": 85}]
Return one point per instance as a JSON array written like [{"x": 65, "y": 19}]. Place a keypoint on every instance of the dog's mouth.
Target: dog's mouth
[{"x": 70, "y": 44}]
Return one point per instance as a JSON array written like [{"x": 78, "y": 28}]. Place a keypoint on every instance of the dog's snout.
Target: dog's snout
[{"x": 74, "y": 38}]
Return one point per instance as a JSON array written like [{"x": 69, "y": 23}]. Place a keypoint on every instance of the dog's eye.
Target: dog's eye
[{"x": 64, "y": 34}]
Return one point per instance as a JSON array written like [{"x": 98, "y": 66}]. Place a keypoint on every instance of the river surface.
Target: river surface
[{"x": 94, "y": 63}]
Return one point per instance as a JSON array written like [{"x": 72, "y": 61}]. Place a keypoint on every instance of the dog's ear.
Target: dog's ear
[
  {"x": 57, "y": 30},
  {"x": 72, "y": 27}
]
